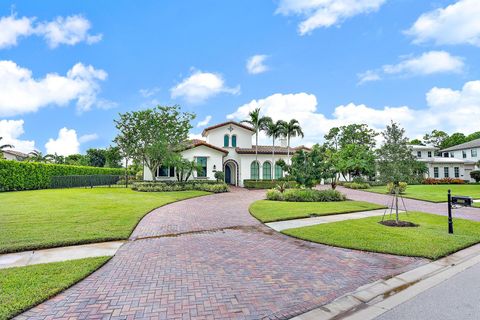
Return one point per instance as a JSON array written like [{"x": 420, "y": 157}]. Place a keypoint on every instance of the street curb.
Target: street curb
[{"x": 371, "y": 300}]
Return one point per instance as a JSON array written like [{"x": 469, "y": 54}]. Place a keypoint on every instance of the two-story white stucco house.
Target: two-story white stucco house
[
  {"x": 228, "y": 147},
  {"x": 445, "y": 165},
  {"x": 14, "y": 155}
]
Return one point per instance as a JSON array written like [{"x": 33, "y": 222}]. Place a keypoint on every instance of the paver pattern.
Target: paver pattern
[
  {"x": 411, "y": 204},
  {"x": 207, "y": 258}
]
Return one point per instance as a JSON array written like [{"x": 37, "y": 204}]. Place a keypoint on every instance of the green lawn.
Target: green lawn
[
  {"x": 49, "y": 218},
  {"x": 25, "y": 287},
  {"x": 269, "y": 211},
  {"x": 435, "y": 193},
  {"x": 429, "y": 240}
]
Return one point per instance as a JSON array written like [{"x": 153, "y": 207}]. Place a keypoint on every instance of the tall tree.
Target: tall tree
[
  {"x": 96, "y": 157},
  {"x": 416, "y": 142},
  {"x": 37, "y": 156},
  {"x": 257, "y": 122},
  {"x": 435, "y": 138},
  {"x": 358, "y": 134},
  {"x": 113, "y": 157},
  {"x": 274, "y": 130},
  {"x": 453, "y": 140},
  {"x": 152, "y": 135},
  {"x": 292, "y": 129},
  {"x": 395, "y": 161}
]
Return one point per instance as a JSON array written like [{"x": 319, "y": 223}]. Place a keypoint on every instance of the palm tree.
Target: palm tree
[
  {"x": 292, "y": 129},
  {"x": 257, "y": 122},
  {"x": 274, "y": 130},
  {"x": 37, "y": 156}
]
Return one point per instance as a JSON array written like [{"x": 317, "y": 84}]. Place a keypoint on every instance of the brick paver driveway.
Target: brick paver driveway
[
  {"x": 207, "y": 258},
  {"x": 411, "y": 204}
]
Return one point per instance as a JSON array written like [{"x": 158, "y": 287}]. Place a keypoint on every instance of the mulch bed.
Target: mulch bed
[{"x": 401, "y": 224}]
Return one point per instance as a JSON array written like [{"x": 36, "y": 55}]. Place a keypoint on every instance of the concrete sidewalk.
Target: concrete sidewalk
[
  {"x": 26, "y": 258},
  {"x": 297, "y": 223}
]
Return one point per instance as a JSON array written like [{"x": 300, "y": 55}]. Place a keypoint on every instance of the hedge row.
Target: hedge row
[
  {"x": 267, "y": 184},
  {"x": 216, "y": 187},
  {"x": 16, "y": 175},
  {"x": 305, "y": 195}
]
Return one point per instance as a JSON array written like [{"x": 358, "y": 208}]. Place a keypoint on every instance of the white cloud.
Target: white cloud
[
  {"x": 326, "y": 13},
  {"x": 88, "y": 137},
  {"x": 12, "y": 28},
  {"x": 457, "y": 23},
  {"x": 256, "y": 64},
  {"x": 11, "y": 130},
  {"x": 428, "y": 63},
  {"x": 204, "y": 122},
  {"x": 20, "y": 93},
  {"x": 65, "y": 144},
  {"x": 447, "y": 109},
  {"x": 200, "y": 86},
  {"x": 69, "y": 30},
  {"x": 146, "y": 93}
]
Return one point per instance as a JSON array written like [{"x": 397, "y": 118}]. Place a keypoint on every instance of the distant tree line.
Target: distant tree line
[{"x": 443, "y": 140}]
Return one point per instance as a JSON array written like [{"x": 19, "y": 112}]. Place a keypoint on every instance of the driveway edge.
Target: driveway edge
[{"x": 371, "y": 300}]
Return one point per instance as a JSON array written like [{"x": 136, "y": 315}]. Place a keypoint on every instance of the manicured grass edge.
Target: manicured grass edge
[
  {"x": 98, "y": 240},
  {"x": 313, "y": 214},
  {"x": 67, "y": 287}
]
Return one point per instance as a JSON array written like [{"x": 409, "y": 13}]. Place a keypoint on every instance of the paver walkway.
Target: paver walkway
[
  {"x": 411, "y": 204},
  {"x": 207, "y": 258},
  {"x": 297, "y": 223}
]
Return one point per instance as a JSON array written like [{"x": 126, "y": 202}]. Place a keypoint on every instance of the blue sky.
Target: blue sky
[{"x": 67, "y": 68}]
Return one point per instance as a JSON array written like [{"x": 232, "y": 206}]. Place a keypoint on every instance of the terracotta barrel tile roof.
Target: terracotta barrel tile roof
[
  {"x": 241, "y": 125},
  {"x": 269, "y": 149},
  {"x": 193, "y": 143}
]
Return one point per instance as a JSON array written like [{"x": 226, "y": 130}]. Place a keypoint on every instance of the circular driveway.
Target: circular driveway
[{"x": 207, "y": 258}]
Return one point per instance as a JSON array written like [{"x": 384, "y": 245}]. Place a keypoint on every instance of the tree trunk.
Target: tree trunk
[
  {"x": 126, "y": 172},
  {"x": 396, "y": 202},
  {"x": 256, "y": 155},
  {"x": 273, "y": 160},
  {"x": 288, "y": 149}
]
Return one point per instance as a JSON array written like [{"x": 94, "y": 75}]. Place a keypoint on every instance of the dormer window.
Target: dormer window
[
  {"x": 226, "y": 140},
  {"x": 234, "y": 141}
]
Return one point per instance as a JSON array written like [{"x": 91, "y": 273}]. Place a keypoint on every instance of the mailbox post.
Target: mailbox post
[{"x": 450, "y": 221}]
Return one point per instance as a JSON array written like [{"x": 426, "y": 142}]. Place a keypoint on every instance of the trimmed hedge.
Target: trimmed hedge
[
  {"x": 215, "y": 187},
  {"x": 306, "y": 195},
  {"x": 356, "y": 185},
  {"x": 267, "y": 184},
  {"x": 16, "y": 175},
  {"x": 84, "y": 181},
  {"x": 443, "y": 181}
]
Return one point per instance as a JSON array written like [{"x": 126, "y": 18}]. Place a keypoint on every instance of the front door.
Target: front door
[{"x": 228, "y": 174}]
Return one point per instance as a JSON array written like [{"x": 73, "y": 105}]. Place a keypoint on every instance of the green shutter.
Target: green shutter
[
  {"x": 254, "y": 168},
  {"x": 202, "y": 163},
  {"x": 226, "y": 140},
  {"x": 234, "y": 141},
  {"x": 278, "y": 172},
  {"x": 267, "y": 171}
]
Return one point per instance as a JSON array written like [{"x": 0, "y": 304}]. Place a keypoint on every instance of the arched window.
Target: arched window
[
  {"x": 234, "y": 141},
  {"x": 254, "y": 170},
  {"x": 278, "y": 171},
  {"x": 226, "y": 140},
  {"x": 267, "y": 171}
]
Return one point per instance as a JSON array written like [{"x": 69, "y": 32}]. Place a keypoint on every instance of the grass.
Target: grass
[
  {"x": 60, "y": 217},
  {"x": 435, "y": 193},
  {"x": 25, "y": 287},
  {"x": 429, "y": 240},
  {"x": 270, "y": 211}
]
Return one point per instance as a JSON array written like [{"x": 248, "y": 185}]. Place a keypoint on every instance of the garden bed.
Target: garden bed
[{"x": 167, "y": 186}]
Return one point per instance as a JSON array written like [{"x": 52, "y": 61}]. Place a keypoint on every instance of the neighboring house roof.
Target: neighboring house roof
[
  {"x": 422, "y": 147},
  {"x": 241, "y": 125},
  {"x": 197, "y": 143},
  {"x": 17, "y": 154},
  {"x": 467, "y": 145},
  {"x": 269, "y": 149},
  {"x": 440, "y": 160}
]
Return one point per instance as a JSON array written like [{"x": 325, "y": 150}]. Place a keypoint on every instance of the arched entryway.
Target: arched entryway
[{"x": 230, "y": 168}]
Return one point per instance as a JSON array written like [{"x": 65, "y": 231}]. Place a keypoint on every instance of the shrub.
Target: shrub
[
  {"x": 356, "y": 185},
  {"x": 220, "y": 176},
  {"x": 267, "y": 184},
  {"x": 475, "y": 175},
  {"x": 83, "y": 181},
  {"x": 443, "y": 181},
  {"x": 402, "y": 187},
  {"x": 164, "y": 186},
  {"x": 376, "y": 183},
  {"x": 305, "y": 195},
  {"x": 15, "y": 175}
]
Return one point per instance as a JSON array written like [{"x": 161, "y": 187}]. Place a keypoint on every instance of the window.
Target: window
[
  {"x": 226, "y": 140},
  {"x": 456, "y": 170},
  {"x": 234, "y": 141},
  {"x": 429, "y": 154},
  {"x": 451, "y": 155},
  {"x": 202, "y": 163},
  {"x": 474, "y": 153},
  {"x": 445, "y": 172},
  {"x": 278, "y": 172},
  {"x": 435, "y": 172},
  {"x": 445, "y": 154},
  {"x": 419, "y": 154},
  {"x": 254, "y": 170},
  {"x": 267, "y": 171},
  {"x": 163, "y": 171},
  {"x": 464, "y": 154}
]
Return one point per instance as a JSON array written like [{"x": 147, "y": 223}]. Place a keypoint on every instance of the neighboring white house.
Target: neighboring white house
[
  {"x": 14, "y": 155},
  {"x": 228, "y": 147},
  {"x": 446, "y": 165}
]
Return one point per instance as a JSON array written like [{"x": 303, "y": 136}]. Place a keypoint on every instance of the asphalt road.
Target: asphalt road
[{"x": 456, "y": 298}]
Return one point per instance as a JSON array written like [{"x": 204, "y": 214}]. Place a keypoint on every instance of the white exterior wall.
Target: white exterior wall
[
  {"x": 244, "y": 136},
  {"x": 451, "y": 170},
  {"x": 247, "y": 159},
  {"x": 214, "y": 158},
  {"x": 458, "y": 154},
  {"x": 8, "y": 156}
]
